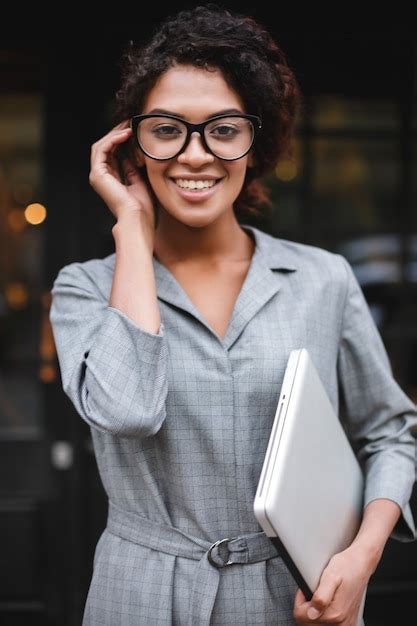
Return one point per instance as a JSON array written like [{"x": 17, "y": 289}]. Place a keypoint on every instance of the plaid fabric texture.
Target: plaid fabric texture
[{"x": 180, "y": 422}]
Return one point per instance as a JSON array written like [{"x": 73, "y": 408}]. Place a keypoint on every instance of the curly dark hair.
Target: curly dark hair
[{"x": 251, "y": 62}]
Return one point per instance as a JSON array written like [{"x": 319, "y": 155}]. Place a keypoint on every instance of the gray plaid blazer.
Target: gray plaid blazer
[{"x": 180, "y": 422}]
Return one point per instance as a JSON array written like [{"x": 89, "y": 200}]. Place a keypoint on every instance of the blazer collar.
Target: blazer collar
[
  {"x": 259, "y": 286},
  {"x": 278, "y": 253}
]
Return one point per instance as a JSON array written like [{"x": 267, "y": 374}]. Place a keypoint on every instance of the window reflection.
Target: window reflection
[
  {"x": 353, "y": 194},
  {"x": 355, "y": 183},
  {"x": 385, "y": 266},
  {"x": 378, "y": 258},
  {"x": 333, "y": 112},
  {"x": 21, "y": 258},
  {"x": 284, "y": 185}
]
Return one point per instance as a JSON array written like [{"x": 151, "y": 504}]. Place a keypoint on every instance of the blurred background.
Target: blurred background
[{"x": 352, "y": 189}]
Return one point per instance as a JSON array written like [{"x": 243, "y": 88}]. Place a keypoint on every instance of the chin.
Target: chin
[
  {"x": 184, "y": 211},
  {"x": 198, "y": 221}
]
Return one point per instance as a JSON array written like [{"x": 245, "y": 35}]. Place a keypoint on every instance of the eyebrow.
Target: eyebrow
[{"x": 222, "y": 112}]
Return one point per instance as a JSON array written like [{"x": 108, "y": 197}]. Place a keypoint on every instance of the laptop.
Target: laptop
[{"x": 309, "y": 498}]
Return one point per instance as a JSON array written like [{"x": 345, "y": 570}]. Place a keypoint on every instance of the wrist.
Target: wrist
[
  {"x": 133, "y": 231},
  {"x": 369, "y": 550},
  {"x": 379, "y": 519},
  {"x": 129, "y": 218}
]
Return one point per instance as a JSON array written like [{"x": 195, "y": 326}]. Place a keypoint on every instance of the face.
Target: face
[{"x": 194, "y": 94}]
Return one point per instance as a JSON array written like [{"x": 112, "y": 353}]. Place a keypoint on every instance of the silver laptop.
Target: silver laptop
[{"x": 309, "y": 499}]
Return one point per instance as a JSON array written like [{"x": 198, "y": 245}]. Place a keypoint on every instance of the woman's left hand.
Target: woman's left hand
[{"x": 339, "y": 594}]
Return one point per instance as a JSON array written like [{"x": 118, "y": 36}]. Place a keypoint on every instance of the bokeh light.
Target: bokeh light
[{"x": 35, "y": 213}]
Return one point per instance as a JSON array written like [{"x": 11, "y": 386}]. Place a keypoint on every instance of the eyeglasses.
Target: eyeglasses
[{"x": 163, "y": 137}]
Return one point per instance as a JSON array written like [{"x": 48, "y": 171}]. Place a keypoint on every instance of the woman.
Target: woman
[{"x": 173, "y": 348}]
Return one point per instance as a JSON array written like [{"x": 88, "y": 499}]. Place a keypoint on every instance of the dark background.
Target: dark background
[{"x": 354, "y": 192}]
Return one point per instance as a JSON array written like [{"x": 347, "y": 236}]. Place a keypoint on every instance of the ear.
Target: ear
[{"x": 251, "y": 160}]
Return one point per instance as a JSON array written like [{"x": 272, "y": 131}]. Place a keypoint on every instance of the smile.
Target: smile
[
  {"x": 195, "y": 190},
  {"x": 195, "y": 184}
]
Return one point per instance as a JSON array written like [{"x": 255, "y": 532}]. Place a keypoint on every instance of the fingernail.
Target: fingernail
[{"x": 313, "y": 613}]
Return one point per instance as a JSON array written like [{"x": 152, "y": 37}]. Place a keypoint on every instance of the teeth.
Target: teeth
[{"x": 194, "y": 184}]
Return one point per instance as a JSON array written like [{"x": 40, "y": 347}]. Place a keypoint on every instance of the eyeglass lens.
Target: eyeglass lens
[{"x": 163, "y": 138}]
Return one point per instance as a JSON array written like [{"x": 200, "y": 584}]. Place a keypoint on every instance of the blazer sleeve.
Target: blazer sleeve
[
  {"x": 380, "y": 419},
  {"x": 113, "y": 371}
]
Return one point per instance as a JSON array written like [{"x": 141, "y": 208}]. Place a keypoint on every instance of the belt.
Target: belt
[{"x": 243, "y": 549}]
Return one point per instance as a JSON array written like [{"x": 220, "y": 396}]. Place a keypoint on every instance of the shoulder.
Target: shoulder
[
  {"x": 306, "y": 260},
  {"x": 93, "y": 275}
]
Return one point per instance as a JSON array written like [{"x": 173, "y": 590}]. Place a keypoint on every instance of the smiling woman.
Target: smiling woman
[
  {"x": 258, "y": 80},
  {"x": 196, "y": 93},
  {"x": 173, "y": 349}
]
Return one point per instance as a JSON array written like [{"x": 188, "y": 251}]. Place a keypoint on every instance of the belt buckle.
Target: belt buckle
[{"x": 210, "y": 558}]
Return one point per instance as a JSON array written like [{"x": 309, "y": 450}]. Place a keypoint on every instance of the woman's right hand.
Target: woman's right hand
[{"x": 122, "y": 199}]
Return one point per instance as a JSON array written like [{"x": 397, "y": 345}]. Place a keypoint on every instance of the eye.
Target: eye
[
  {"x": 224, "y": 131},
  {"x": 166, "y": 130}
]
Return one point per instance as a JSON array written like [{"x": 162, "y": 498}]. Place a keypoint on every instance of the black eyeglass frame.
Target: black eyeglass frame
[{"x": 191, "y": 128}]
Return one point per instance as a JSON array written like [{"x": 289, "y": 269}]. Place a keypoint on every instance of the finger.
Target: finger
[
  {"x": 299, "y": 598},
  {"x": 119, "y": 132},
  {"x": 323, "y": 596},
  {"x": 122, "y": 124},
  {"x": 101, "y": 150},
  {"x": 301, "y": 606},
  {"x": 110, "y": 136},
  {"x": 303, "y": 609}
]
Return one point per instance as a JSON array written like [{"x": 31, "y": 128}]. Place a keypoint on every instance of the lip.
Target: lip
[
  {"x": 196, "y": 196},
  {"x": 197, "y": 176}
]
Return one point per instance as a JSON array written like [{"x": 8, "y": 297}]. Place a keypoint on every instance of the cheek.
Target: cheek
[
  {"x": 157, "y": 177},
  {"x": 237, "y": 173}
]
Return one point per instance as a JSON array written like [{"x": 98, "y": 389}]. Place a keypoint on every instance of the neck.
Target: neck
[{"x": 222, "y": 240}]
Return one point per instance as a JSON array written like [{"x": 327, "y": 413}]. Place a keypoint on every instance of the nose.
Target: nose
[{"x": 195, "y": 153}]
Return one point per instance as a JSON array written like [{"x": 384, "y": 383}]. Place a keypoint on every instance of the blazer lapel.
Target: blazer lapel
[{"x": 260, "y": 285}]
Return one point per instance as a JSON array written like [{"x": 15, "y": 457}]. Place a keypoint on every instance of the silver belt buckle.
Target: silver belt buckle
[{"x": 210, "y": 558}]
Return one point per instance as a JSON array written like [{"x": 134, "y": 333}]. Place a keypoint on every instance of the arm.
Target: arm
[
  {"x": 379, "y": 519},
  {"x": 380, "y": 421},
  {"x": 113, "y": 361},
  {"x": 113, "y": 364},
  {"x": 134, "y": 289}
]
